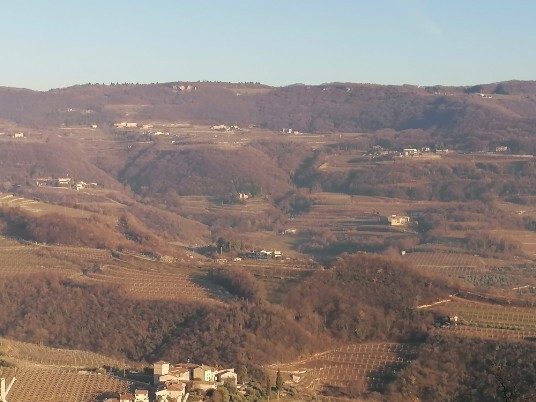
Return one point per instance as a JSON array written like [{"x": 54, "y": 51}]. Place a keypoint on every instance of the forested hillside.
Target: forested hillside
[
  {"x": 359, "y": 299},
  {"x": 457, "y": 117}
]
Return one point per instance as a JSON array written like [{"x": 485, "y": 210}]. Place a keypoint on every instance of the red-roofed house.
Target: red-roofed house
[
  {"x": 126, "y": 398},
  {"x": 141, "y": 395}
]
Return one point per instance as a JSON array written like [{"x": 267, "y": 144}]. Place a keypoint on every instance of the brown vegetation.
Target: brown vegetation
[
  {"x": 465, "y": 369},
  {"x": 240, "y": 283},
  {"x": 204, "y": 171},
  {"x": 59, "y": 229},
  {"x": 366, "y": 297}
]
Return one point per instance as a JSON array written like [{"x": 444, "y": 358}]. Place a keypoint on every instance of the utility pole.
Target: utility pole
[{"x": 3, "y": 390}]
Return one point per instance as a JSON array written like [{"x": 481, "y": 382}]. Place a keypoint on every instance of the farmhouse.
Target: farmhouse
[
  {"x": 398, "y": 220},
  {"x": 125, "y": 124},
  {"x": 185, "y": 88},
  {"x": 289, "y": 231},
  {"x": 63, "y": 182},
  {"x": 80, "y": 185},
  {"x": 410, "y": 152},
  {"x": 42, "y": 181},
  {"x": 227, "y": 375},
  {"x": 223, "y": 127},
  {"x": 262, "y": 254}
]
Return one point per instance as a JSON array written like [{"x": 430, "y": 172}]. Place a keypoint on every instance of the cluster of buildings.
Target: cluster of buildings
[
  {"x": 170, "y": 379},
  {"x": 421, "y": 151},
  {"x": 140, "y": 395},
  {"x": 126, "y": 124},
  {"x": 170, "y": 382},
  {"x": 63, "y": 182},
  {"x": 290, "y": 131},
  {"x": 262, "y": 254},
  {"x": 184, "y": 88},
  {"x": 146, "y": 127},
  {"x": 224, "y": 127},
  {"x": 378, "y": 151},
  {"x": 253, "y": 255},
  {"x": 18, "y": 134}
]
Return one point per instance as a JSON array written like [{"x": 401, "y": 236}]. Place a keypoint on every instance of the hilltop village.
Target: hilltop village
[{"x": 171, "y": 382}]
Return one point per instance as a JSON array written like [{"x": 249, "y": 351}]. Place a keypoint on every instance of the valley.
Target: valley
[{"x": 275, "y": 230}]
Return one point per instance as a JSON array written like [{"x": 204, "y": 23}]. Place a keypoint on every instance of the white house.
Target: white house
[
  {"x": 80, "y": 185},
  {"x": 398, "y": 220},
  {"x": 204, "y": 373},
  {"x": 160, "y": 368},
  {"x": 221, "y": 127},
  {"x": 126, "y": 124},
  {"x": 410, "y": 152},
  {"x": 227, "y": 375}
]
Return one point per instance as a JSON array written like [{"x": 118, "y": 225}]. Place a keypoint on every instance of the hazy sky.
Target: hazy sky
[{"x": 56, "y": 43}]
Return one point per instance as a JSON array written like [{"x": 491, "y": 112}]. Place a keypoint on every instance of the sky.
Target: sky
[{"x": 58, "y": 43}]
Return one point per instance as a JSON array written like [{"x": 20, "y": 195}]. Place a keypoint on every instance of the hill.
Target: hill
[
  {"x": 200, "y": 229},
  {"x": 457, "y": 116}
]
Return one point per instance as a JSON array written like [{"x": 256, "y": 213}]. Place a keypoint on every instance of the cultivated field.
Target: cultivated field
[
  {"x": 31, "y": 355},
  {"x": 491, "y": 316},
  {"x": 504, "y": 274},
  {"x": 40, "y": 208},
  {"x": 365, "y": 366},
  {"x": 149, "y": 280},
  {"x": 27, "y": 258},
  {"x": 55, "y": 385},
  {"x": 489, "y": 333},
  {"x": 454, "y": 265},
  {"x": 353, "y": 215},
  {"x": 137, "y": 277}
]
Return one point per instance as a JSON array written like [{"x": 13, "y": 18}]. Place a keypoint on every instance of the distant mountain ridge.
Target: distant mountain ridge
[{"x": 457, "y": 115}]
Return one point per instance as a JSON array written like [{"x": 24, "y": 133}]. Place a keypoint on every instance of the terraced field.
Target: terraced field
[
  {"x": 138, "y": 278},
  {"x": 40, "y": 208},
  {"x": 9, "y": 200},
  {"x": 29, "y": 354},
  {"x": 24, "y": 258},
  {"x": 153, "y": 281},
  {"x": 444, "y": 260},
  {"x": 454, "y": 265},
  {"x": 54, "y": 385},
  {"x": 491, "y": 316},
  {"x": 365, "y": 366},
  {"x": 203, "y": 205},
  {"x": 488, "y": 333}
]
